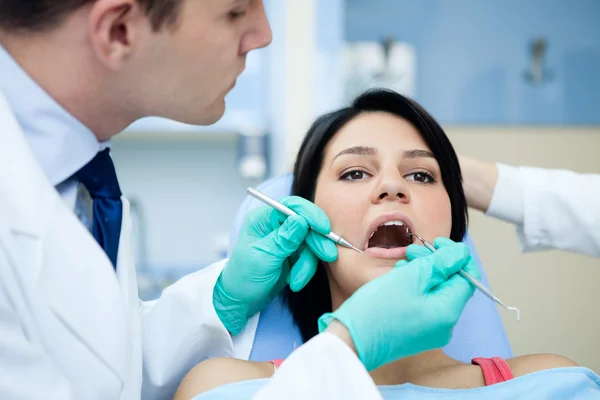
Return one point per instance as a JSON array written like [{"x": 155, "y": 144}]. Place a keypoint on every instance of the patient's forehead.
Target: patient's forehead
[{"x": 383, "y": 131}]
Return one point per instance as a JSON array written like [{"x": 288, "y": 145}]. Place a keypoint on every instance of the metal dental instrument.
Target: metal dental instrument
[
  {"x": 473, "y": 281},
  {"x": 289, "y": 212}
]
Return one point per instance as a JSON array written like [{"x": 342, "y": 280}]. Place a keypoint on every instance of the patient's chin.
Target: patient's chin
[
  {"x": 379, "y": 267},
  {"x": 383, "y": 263}
]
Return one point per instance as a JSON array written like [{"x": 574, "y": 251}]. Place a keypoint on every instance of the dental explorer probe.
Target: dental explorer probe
[
  {"x": 289, "y": 212},
  {"x": 473, "y": 281}
]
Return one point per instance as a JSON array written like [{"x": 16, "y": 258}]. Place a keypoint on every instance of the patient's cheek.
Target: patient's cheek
[
  {"x": 444, "y": 223},
  {"x": 435, "y": 216}
]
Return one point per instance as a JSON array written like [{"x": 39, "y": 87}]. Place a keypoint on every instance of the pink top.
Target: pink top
[{"x": 495, "y": 369}]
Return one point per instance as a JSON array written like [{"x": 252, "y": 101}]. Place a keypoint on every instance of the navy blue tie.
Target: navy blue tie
[{"x": 100, "y": 179}]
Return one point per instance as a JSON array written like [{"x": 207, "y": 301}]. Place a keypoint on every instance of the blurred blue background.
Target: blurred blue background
[{"x": 473, "y": 56}]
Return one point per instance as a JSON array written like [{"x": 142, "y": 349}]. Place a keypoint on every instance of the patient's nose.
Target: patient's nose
[{"x": 392, "y": 188}]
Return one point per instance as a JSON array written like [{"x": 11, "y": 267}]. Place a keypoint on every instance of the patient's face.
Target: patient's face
[{"x": 376, "y": 170}]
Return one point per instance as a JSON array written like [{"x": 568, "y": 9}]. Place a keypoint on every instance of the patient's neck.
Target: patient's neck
[{"x": 407, "y": 370}]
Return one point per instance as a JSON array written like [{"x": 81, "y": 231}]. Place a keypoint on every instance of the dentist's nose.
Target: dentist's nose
[
  {"x": 392, "y": 188},
  {"x": 259, "y": 34}
]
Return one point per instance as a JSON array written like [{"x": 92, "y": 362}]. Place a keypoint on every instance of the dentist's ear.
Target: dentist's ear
[{"x": 114, "y": 27}]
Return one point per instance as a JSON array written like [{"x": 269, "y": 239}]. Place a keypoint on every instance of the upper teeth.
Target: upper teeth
[
  {"x": 389, "y": 223},
  {"x": 393, "y": 223}
]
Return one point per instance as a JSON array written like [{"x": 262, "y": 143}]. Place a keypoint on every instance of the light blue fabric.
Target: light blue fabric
[
  {"x": 59, "y": 142},
  {"x": 576, "y": 383},
  {"x": 479, "y": 332}
]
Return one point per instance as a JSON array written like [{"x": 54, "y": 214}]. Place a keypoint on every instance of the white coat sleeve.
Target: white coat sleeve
[
  {"x": 323, "y": 368},
  {"x": 179, "y": 330},
  {"x": 553, "y": 209}
]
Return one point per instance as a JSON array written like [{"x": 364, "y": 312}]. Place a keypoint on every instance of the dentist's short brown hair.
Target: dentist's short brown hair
[{"x": 40, "y": 15}]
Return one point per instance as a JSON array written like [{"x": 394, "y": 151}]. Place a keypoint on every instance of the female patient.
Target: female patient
[{"x": 380, "y": 164}]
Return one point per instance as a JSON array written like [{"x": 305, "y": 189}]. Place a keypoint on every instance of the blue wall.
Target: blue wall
[{"x": 472, "y": 56}]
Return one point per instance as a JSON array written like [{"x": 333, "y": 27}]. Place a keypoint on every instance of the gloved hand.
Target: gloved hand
[
  {"x": 411, "y": 309},
  {"x": 260, "y": 266}
]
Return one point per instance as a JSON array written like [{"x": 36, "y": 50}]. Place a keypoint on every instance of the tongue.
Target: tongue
[{"x": 389, "y": 237}]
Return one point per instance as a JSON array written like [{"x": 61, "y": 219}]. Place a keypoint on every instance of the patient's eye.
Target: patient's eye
[
  {"x": 421, "y": 177},
  {"x": 354, "y": 175}
]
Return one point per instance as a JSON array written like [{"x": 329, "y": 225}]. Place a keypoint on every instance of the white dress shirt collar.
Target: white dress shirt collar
[{"x": 60, "y": 143}]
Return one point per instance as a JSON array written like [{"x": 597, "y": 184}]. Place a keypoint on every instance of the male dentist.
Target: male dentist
[{"x": 73, "y": 73}]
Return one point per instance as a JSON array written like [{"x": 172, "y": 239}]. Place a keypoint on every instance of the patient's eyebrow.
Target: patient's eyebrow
[
  {"x": 358, "y": 150},
  {"x": 418, "y": 154}
]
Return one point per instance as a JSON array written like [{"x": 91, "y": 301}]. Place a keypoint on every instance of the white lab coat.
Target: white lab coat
[
  {"x": 70, "y": 327},
  {"x": 553, "y": 209}
]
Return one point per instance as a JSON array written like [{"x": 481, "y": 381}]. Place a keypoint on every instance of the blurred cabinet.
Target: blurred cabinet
[{"x": 478, "y": 62}]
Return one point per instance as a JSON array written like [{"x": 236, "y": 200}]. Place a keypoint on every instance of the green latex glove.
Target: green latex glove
[
  {"x": 411, "y": 309},
  {"x": 272, "y": 251}
]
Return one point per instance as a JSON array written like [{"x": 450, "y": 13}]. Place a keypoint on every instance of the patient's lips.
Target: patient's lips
[{"x": 389, "y": 237}]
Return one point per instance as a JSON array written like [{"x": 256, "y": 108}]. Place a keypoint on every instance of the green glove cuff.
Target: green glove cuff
[
  {"x": 325, "y": 321},
  {"x": 232, "y": 313}
]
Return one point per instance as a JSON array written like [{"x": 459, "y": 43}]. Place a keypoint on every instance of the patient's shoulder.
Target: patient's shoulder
[
  {"x": 216, "y": 372},
  {"x": 524, "y": 365}
]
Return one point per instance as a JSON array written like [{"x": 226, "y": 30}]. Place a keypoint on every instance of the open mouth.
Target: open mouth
[
  {"x": 391, "y": 235},
  {"x": 389, "y": 238}
]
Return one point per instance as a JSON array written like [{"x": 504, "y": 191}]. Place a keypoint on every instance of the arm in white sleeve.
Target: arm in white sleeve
[
  {"x": 180, "y": 330},
  {"x": 323, "y": 368},
  {"x": 553, "y": 209}
]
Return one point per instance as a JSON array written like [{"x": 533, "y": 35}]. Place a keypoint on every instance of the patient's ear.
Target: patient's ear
[{"x": 524, "y": 365}]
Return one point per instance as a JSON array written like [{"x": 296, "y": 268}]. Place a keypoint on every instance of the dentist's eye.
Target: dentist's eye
[
  {"x": 354, "y": 175},
  {"x": 421, "y": 177},
  {"x": 235, "y": 15}
]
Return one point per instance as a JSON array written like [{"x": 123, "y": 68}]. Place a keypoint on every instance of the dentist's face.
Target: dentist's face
[
  {"x": 378, "y": 170},
  {"x": 188, "y": 69}
]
